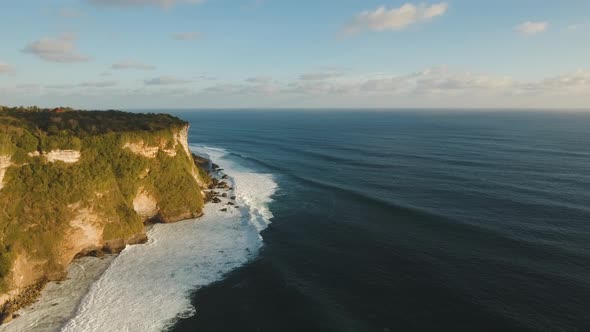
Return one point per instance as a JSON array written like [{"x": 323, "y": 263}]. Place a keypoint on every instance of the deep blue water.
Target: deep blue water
[{"x": 409, "y": 221}]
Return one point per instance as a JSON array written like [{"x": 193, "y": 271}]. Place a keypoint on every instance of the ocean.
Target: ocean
[{"x": 415, "y": 220}]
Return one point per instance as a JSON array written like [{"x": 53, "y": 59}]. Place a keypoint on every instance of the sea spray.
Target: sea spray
[{"x": 148, "y": 286}]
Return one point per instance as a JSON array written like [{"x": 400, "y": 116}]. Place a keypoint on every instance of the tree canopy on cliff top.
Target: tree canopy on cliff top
[{"x": 82, "y": 123}]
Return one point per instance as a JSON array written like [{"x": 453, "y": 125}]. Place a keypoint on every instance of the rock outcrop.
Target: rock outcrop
[
  {"x": 142, "y": 149},
  {"x": 145, "y": 205},
  {"x": 67, "y": 156},
  {"x": 84, "y": 234},
  {"x": 168, "y": 147},
  {"x": 4, "y": 164}
]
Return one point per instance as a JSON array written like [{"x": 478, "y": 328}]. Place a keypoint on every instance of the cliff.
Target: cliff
[{"x": 75, "y": 183}]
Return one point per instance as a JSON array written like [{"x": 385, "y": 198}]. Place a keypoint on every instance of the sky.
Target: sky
[{"x": 125, "y": 54}]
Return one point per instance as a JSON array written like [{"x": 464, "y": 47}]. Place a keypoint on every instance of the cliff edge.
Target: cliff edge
[{"x": 83, "y": 182}]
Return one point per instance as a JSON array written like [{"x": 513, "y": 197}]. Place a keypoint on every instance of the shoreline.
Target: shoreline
[{"x": 59, "y": 300}]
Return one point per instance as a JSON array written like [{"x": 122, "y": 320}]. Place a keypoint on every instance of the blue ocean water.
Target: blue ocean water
[{"x": 408, "y": 221}]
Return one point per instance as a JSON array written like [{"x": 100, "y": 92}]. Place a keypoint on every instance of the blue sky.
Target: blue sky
[{"x": 279, "y": 53}]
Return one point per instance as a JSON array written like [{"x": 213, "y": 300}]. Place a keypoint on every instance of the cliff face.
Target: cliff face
[
  {"x": 4, "y": 164},
  {"x": 86, "y": 186}
]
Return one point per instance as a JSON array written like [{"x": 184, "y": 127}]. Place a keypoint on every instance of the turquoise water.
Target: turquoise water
[{"x": 408, "y": 221}]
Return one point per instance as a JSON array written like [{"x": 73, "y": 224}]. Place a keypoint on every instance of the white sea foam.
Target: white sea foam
[{"x": 148, "y": 286}]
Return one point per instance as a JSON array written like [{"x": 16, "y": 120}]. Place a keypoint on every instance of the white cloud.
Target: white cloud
[
  {"x": 433, "y": 87},
  {"x": 191, "y": 35},
  {"x": 5, "y": 68},
  {"x": 567, "y": 84},
  {"x": 578, "y": 26},
  {"x": 174, "y": 91},
  {"x": 529, "y": 28},
  {"x": 436, "y": 83},
  {"x": 317, "y": 88},
  {"x": 205, "y": 77},
  {"x": 99, "y": 84},
  {"x": 238, "y": 89},
  {"x": 166, "y": 80},
  {"x": 320, "y": 75},
  {"x": 60, "y": 86},
  {"x": 433, "y": 11},
  {"x": 27, "y": 90},
  {"x": 259, "y": 80},
  {"x": 139, "y": 3},
  {"x": 61, "y": 49},
  {"x": 132, "y": 64},
  {"x": 395, "y": 19},
  {"x": 88, "y": 84},
  {"x": 438, "y": 80}
]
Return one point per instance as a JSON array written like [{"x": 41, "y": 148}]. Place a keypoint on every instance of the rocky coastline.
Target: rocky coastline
[
  {"x": 86, "y": 183},
  {"x": 53, "y": 305},
  {"x": 27, "y": 297},
  {"x": 65, "y": 294}
]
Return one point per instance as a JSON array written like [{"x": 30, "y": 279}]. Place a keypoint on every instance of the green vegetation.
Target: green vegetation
[
  {"x": 84, "y": 123},
  {"x": 39, "y": 198}
]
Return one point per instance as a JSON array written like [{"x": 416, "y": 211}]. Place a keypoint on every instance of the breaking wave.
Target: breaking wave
[{"x": 148, "y": 287}]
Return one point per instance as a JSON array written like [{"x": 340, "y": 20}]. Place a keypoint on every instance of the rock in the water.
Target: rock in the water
[
  {"x": 223, "y": 210},
  {"x": 231, "y": 203},
  {"x": 223, "y": 185},
  {"x": 224, "y": 195},
  {"x": 210, "y": 196},
  {"x": 201, "y": 162},
  {"x": 233, "y": 198},
  {"x": 225, "y": 177},
  {"x": 216, "y": 200}
]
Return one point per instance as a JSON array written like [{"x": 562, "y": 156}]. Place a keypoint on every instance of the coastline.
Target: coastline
[
  {"x": 180, "y": 258},
  {"x": 59, "y": 300},
  {"x": 88, "y": 234}
]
